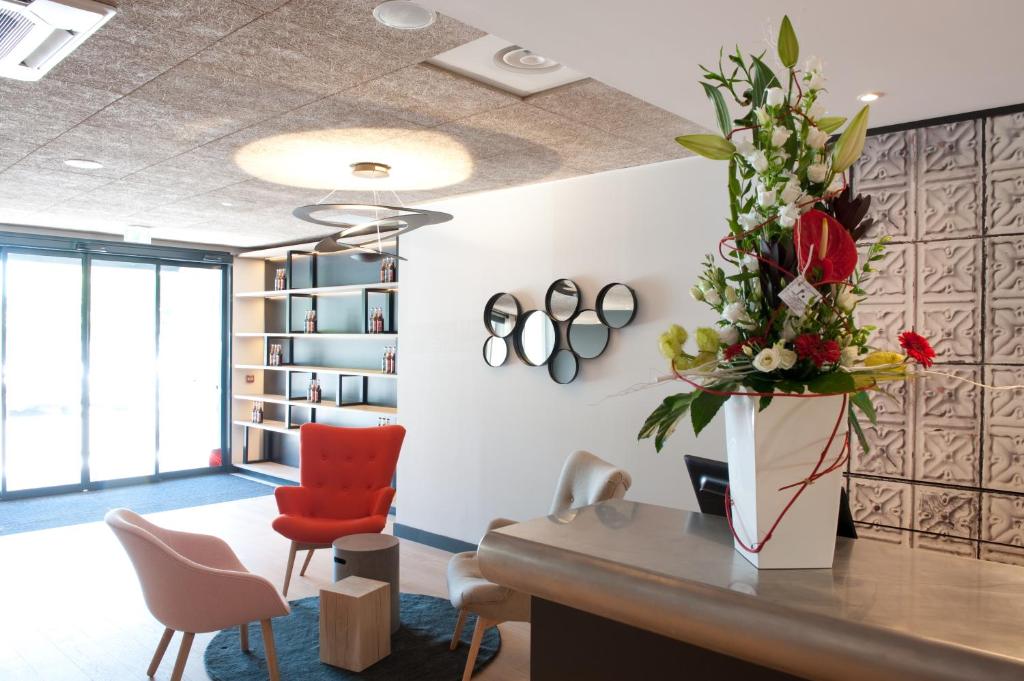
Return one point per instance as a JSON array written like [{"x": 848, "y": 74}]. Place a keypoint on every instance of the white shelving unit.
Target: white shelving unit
[{"x": 251, "y": 370}]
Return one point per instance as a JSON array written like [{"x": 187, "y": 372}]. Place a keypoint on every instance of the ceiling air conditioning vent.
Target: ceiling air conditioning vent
[{"x": 35, "y": 36}]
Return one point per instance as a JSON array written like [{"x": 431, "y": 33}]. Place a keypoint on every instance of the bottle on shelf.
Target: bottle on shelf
[
  {"x": 310, "y": 324},
  {"x": 381, "y": 421},
  {"x": 383, "y": 270},
  {"x": 313, "y": 394},
  {"x": 280, "y": 280},
  {"x": 257, "y": 412},
  {"x": 274, "y": 359},
  {"x": 388, "y": 364},
  {"x": 392, "y": 270}
]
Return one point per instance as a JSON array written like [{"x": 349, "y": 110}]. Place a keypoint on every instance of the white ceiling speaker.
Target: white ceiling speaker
[
  {"x": 35, "y": 36},
  {"x": 523, "y": 60},
  {"x": 404, "y": 15}
]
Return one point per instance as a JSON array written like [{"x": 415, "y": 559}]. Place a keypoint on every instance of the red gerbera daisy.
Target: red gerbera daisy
[
  {"x": 813, "y": 347},
  {"x": 918, "y": 348}
]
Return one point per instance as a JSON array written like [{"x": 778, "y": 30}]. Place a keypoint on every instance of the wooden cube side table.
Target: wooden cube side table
[{"x": 355, "y": 623}]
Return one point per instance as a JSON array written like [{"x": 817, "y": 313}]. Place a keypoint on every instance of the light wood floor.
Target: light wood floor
[{"x": 71, "y": 608}]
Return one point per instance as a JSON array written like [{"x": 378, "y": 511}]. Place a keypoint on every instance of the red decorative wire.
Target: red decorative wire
[{"x": 757, "y": 547}]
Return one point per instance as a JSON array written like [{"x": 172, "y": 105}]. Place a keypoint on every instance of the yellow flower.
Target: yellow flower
[
  {"x": 882, "y": 358},
  {"x": 678, "y": 333},
  {"x": 671, "y": 342},
  {"x": 707, "y": 339},
  {"x": 683, "y": 362}
]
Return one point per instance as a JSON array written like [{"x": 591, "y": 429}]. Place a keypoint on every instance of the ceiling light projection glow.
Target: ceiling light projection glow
[{"x": 323, "y": 159}]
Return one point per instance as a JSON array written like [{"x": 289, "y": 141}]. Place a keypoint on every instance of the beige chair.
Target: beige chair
[
  {"x": 194, "y": 583},
  {"x": 585, "y": 480}
]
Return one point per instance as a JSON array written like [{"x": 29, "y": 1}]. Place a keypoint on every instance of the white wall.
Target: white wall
[{"x": 485, "y": 442}]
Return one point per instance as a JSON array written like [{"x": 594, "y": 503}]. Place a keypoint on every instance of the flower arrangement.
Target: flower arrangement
[{"x": 790, "y": 273}]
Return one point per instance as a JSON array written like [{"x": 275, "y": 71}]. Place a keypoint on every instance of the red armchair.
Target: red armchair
[{"x": 345, "y": 487}]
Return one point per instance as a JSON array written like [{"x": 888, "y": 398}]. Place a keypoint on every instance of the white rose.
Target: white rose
[
  {"x": 729, "y": 335},
  {"x": 816, "y": 138},
  {"x": 848, "y": 356},
  {"x": 696, "y": 293},
  {"x": 788, "y": 215},
  {"x": 791, "y": 192},
  {"x": 711, "y": 296},
  {"x": 730, "y": 295},
  {"x": 758, "y": 160},
  {"x": 775, "y": 96},
  {"x": 766, "y": 198},
  {"x": 767, "y": 360},
  {"x": 817, "y": 172},
  {"x": 816, "y": 110},
  {"x": 846, "y": 299},
  {"x": 780, "y": 136},
  {"x": 787, "y": 358}
]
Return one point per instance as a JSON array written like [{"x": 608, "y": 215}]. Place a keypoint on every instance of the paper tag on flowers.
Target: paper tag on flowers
[{"x": 798, "y": 294}]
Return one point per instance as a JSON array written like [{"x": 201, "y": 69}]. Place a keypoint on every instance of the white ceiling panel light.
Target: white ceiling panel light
[
  {"x": 510, "y": 67},
  {"x": 404, "y": 15},
  {"x": 83, "y": 164},
  {"x": 138, "y": 234}
]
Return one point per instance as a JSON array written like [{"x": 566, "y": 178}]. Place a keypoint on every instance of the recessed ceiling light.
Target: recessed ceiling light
[
  {"x": 84, "y": 164},
  {"x": 370, "y": 170},
  {"x": 138, "y": 234},
  {"x": 404, "y": 15},
  {"x": 522, "y": 60},
  {"x": 226, "y": 204},
  {"x": 870, "y": 96}
]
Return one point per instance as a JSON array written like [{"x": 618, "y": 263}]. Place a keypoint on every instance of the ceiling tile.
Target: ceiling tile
[
  {"x": 291, "y": 54},
  {"x": 353, "y": 20},
  {"x": 188, "y": 126},
  {"x": 12, "y": 151},
  {"x": 120, "y": 154},
  {"x": 527, "y": 167},
  {"x": 210, "y": 91},
  {"x": 39, "y": 111},
  {"x": 190, "y": 173},
  {"x": 178, "y": 27},
  {"x": 526, "y": 123},
  {"x": 263, "y": 5},
  {"x": 430, "y": 96},
  {"x": 105, "y": 63},
  {"x": 126, "y": 197}
]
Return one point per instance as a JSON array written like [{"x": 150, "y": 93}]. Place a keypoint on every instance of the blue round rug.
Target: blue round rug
[{"x": 419, "y": 649}]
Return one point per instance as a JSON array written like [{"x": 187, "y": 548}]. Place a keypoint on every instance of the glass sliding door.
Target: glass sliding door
[
  {"x": 43, "y": 371},
  {"x": 191, "y": 357},
  {"x": 122, "y": 369}
]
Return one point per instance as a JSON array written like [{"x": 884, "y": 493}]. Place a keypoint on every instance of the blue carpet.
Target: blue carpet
[
  {"x": 419, "y": 649},
  {"x": 40, "y": 513}
]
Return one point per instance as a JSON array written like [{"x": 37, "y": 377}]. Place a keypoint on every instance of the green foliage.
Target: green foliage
[
  {"x": 789, "y": 48},
  {"x": 857, "y": 430},
  {"x": 709, "y": 146},
  {"x": 706, "y": 405},
  {"x": 828, "y": 384},
  {"x": 862, "y": 401},
  {"x": 662, "y": 421},
  {"x": 830, "y": 124},
  {"x": 721, "y": 110}
]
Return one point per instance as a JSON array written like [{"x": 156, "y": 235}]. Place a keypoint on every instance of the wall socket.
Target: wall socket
[{"x": 250, "y": 378}]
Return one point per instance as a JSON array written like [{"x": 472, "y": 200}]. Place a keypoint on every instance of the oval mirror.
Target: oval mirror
[
  {"x": 616, "y": 305},
  {"x": 588, "y": 336},
  {"x": 562, "y": 299},
  {"x": 535, "y": 338},
  {"x": 564, "y": 366},
  {"x": 501, "y": 314},
  {"x": 495, "y": 351}
]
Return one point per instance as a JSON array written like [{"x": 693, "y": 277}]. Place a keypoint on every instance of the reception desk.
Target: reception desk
[{"x": 623, "y": 590}]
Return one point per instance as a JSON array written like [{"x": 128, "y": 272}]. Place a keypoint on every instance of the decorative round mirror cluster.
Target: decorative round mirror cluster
[{"x": 537, "y": 334}]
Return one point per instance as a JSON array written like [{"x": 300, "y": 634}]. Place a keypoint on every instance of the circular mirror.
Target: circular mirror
[
  {"x": 563, "y": 366},
  {"x": 536, "y": 338},
  {"x": 588, "y": 337},
  {"x": 495, "y": 351},
  {"x": 501, "y": 314},
  {"x": 616, "y": 305},
  {"x": 562, "y": 299}
]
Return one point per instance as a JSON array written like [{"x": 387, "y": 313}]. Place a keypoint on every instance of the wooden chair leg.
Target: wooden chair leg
[
  {"x": 161, "y": 648},
  {"x": 179, "y": 664},
  {"x": 309, "y": 557},
  {"x": 243, "y": 637},
  {"x": 291, "y": 564},
  {"x": 268, "y": 646},
  {"x": 459, "y": 624},
  {"x": 474, "y": 648}
]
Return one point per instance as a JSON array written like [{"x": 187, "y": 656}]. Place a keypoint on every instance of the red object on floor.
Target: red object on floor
[
  {"x": 345, "y": 483},
  {"x": 215, "y": 458}
]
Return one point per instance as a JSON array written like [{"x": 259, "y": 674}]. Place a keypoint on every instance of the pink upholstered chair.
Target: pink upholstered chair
[{"x": 193, "y": 583}]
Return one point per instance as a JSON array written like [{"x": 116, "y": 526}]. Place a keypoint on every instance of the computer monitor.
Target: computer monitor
[{"x": 710, "y": 478}]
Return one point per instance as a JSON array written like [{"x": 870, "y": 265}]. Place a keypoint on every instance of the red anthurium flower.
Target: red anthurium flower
[
  {"x": 918, "y": 348},
  {"x": 813, "y": 347},
  {"x": 825, "y": 249}
]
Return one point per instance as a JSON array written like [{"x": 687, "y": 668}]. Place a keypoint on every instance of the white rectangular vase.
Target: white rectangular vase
[{"x": 773, "y": 448}]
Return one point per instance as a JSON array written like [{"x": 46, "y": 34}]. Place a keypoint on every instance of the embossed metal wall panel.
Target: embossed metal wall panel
[{"x": 945, "y": 470}]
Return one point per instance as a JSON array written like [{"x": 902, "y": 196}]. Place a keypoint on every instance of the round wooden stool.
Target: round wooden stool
[{"x": 373, "y": 556}]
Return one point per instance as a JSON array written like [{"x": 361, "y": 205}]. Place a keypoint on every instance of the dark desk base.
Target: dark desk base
[{"x": 571, "y": 645}]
